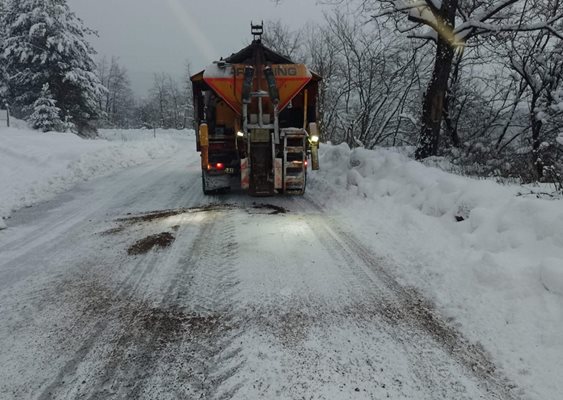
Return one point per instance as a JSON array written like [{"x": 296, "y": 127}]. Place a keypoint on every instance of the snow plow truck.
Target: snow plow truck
[{"x": 256, "y": 125}]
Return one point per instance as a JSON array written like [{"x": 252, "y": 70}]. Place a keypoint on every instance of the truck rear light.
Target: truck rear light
[
  {"x": 217, "y": 166},
  {"x": 306, "y": 163}
]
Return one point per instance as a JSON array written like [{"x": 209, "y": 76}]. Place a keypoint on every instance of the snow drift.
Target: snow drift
[{"x": 495, "y": 217}]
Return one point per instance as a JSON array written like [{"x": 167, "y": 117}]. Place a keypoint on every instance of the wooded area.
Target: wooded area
[{"x": 478, "y": 82}]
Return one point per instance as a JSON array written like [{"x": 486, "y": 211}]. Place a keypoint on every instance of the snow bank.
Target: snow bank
[
  {"x": 34, "y": 166},
  {"x": 552, "y": 275},
  {"x": 494, "y": 217},
  {"x": 488, "y": 256}
]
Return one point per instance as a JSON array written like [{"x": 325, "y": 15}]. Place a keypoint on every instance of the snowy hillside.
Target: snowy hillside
[
  {"x": 34, "y": 166},
  {"x": 490, "y": 258}
]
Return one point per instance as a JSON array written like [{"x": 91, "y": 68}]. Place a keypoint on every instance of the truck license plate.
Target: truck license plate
[{"x": 229, "y": 170}]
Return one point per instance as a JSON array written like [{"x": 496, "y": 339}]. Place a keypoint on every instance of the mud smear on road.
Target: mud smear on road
[
  {"x": 290, "y": 326},
  {"x": 153, "y": 216},
  {"x": 274, "y": 210},
  {"x": 171, "y": 324},
  {"x": 143, "y": 246},
  {"x": 142, "y": 336},
  {"x": 113, "y": 231},
  {"x": 168, "y": 326},
  {"x": 156, "y": 215},
  {"x": 294, "y": 327}
]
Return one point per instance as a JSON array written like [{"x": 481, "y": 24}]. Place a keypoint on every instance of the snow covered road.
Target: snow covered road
[{"x": 137, "y": 286}]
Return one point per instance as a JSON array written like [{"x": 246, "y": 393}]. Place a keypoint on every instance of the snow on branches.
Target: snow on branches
[
  {"x": 45, "y": 115},
  {"x": 46, "y": 43},
  {"x": 472, "y": 18},
  {"x": 451, "y": 24}
]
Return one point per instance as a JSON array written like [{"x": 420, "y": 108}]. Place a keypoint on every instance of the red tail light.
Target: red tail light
[
  {"x": 306, "y": 163},
  {"x": 216, "y": 166}
]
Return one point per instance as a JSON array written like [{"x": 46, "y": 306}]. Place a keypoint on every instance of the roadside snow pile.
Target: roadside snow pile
[
  {"x": 552, "y": 275},
  {"x": 34, "y": 166},
  {"x": 489, "y": 258},
  {"x": 494, "y": 217}
]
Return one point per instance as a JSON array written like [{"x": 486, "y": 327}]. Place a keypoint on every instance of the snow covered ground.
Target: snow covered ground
[
  {"x": 34, "y": 166},
  {"x": 315, "y": 300},
  {"x": 491, "y": 259}
]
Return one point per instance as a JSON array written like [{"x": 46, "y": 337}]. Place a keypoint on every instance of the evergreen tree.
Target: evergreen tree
[
  {"x": 46, "y": 43},
  {"x": 45, "y": 112}
]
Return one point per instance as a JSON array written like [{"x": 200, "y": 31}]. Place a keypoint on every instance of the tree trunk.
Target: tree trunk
[
  {"x": 536, "y": 143},
  {"x": 451, "y": 126},
  {"x": 433, "y": 102},
  {"x": 449, "y": 103}
]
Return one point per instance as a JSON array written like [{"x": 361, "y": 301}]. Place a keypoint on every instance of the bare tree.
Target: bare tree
[
  {"x": 372, "y": 79},
  {"x": 117, "y": 105},
  {"x": 451, "y": 25},
  {"x": 168, "y": 102},
  {"x": 188, "y": 94},
  {"x": 284, "y": 40},
  {"x": 536, "y": 58},
  {"x": 323, "y": 50}
]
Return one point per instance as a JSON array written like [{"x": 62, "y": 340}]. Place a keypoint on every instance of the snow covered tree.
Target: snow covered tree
[
  {"x": 46, "y": 43},
  {"x": 536, "y": 59},
  {"x": 45, "y": 112},
  {"x": 451, "y": 24}
]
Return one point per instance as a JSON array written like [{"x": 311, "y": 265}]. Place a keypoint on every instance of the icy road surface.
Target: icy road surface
[{"x": 136, "y": 286}]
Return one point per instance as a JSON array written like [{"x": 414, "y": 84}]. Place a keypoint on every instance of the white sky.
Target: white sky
[{"x": 151, "y": 36}]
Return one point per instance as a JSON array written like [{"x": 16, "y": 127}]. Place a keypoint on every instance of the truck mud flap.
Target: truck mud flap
[
  {"x": 244, "y": 174},
  {"x": 212, "y": 184}
]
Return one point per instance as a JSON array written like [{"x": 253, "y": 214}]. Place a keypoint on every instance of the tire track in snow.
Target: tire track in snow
[
  {"x": 198, "y": 296},
  {"x": 105, "y": 311},
  {"x": 412, "y": 320},
  {"x": 28, "y": 248},
  {"x": 203, "y": 287},
  {"x": 137, "y": 346},
  {"x": 106, "y": 308},
  {"x": 72, "y": 219}
]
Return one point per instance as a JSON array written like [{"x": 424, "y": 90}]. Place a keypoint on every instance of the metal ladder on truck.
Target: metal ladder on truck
[
  {"x": 264, "y": 133},
  {"x": 294, "y": 160}
]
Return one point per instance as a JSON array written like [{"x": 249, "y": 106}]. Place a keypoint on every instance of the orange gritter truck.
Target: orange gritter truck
[{"x": 256, "y": 122}]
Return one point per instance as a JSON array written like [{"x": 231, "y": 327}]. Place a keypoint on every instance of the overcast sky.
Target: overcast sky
[{"x": 152, "y": 36}]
